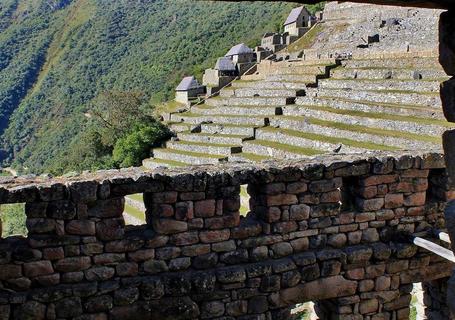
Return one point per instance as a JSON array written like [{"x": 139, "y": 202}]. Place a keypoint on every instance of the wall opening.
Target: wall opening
[
  {"x": 438, "y": 186},
  {"x": 13, "y": 220},
  {"x": 244, "y": 200},
  {"x": 134, "y": 212},
  {"x": 304, "y": 311},
  {"x": 348, "y": 193}
]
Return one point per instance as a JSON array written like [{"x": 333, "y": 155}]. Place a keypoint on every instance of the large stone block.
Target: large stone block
[
  {"x": 448, "y": 140},
  {"x": 326, "y": 288},
  {"x": 447, "y": 41}
]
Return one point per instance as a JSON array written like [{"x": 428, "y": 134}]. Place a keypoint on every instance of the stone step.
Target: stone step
[
  {"x": 386, "y": 137},
  {"x": 303, "y": 78},
  {"x": 418, "y": 63},
  {"x": 316, "y": 141},
  {"x": 378, "y": 120},
  {"x": 366, "y": 106},
  {"x": 430, "y": 100},
  {"x": 203, "y": 148},
  {"x": 228, "y": 128},
  {"x": 219, "y": 118},
  {"x": 255, "y": 92},
  {"x": 278, "y": 150},
  {"x": 187, "y": 157},
  {"x": 388, "y": 73},
  {"x": 154, "y": 163},
  {"x": 230, "y": 139},
  {"x": 268, "y": 85},
  {"x": 401, "y": 85},
  {"x": 249, "y": 101},
  {"x": 309, "y": 62},
  {"x": 297, "y": 69},
  {"x": 240, "y": 110},
  {"x": 247, "y": 157},
  {"x": 178, "y": 126}
]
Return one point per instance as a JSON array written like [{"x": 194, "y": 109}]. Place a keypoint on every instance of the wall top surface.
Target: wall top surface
[{"x": 136, "y": 180}]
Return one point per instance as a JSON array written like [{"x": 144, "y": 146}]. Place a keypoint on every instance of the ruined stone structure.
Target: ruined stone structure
[
  {"x": 337, "y": 97},
  {"x": 333, "y": 230}
]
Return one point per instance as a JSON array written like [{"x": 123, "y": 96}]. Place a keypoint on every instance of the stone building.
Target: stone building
[
  {"x": 241, "y": 53},
  {"x": 298, "y": 22},
  {"x": 273, "y": 42},
  {"x": 224, "y": 72},
  {"x": 188, "y": 89}
]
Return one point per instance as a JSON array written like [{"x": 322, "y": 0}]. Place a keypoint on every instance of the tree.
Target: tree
[{"x": 135, "y": 146}]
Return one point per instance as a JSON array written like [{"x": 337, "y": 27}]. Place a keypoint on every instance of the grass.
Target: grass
[
  {"x": 215, "y": 135},
  {"x": 171, "y": 163},
  {"x": 203, "y": 144},
  {"x": 137, "y": 197},
  {"x": 188, "y": 153},
  {"x": 332, "y": 139},
  {"x": 132, "y": 211},
  {"x": 308, "y": 40},
  {"x": 374, "y": 131},
  {"x": 252, "y": 156},
  {"x": 382, "y": 104},
  {"x": 169, "y": 106},
  {"x": 382, "y": 116},
  {"x": 364, "y": 129},
  {"x": 287, "y": 147}
]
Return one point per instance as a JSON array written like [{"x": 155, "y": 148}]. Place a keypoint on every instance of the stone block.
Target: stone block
[
  {"x": 369, "y": 204},
  {"x": 214, "y": 236},
  {"x": 38, "y": 268},
  {"x": 393, "y": 200},
  {"x": 205, "y": 208},
  {"x": 231, "y": 275},
  {"x": 280, "y": 199},
  {"x": 196, "y": 250},
  {"x": 237, "y": 308},
  {"x": 110, "y": 229},
  {"x": 81, "y": 227},
  {"x": 73, "y": 264},
  {"x": 169, "y": 226},
  {"x": 184, "y": 238},
  {"x": 127, "y": 269},
  {"x": 111, "y": 208},
  {"x": 184, "y": 210},
  {"x": 446, "y": 42},
  {"x": 99, "y": 273}
]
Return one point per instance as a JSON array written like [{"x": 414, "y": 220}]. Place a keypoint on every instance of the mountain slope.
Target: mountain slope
[{"x": 56, "y": 56}]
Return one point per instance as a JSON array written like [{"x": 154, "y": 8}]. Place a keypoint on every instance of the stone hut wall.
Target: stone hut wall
[{"x": 334, "y": 230}]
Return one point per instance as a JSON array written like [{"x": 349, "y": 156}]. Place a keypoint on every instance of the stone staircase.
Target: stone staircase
[{"x": 293, "y": 109}]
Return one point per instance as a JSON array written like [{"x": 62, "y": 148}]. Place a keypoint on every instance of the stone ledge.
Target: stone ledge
[{"x": 104, "y": 184}]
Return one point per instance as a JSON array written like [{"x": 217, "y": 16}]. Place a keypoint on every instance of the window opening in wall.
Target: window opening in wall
[
  {"x": 438, "y": 189},
  {"x": 417, "y": 304},
  {"x": 244, "y": 200},
  {"x": 13, "y": 220},
  {"x": 134, "y": 212},
  {"x": 304, "y": 311},
  {"x": 347, "y": 193}
]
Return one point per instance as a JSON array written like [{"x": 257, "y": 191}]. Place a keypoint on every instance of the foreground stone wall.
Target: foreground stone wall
[{"x": 326, "y": 230}]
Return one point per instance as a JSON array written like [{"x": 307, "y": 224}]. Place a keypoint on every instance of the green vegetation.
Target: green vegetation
[
  {"x": 132, "y": 211},
  {"x": 331, "y": 139},
  {"x": 383, "y": 116},
  {"x": 287, "y": 147},
  {"x": 307, "y": 40},
  {"x": 57, "y": 59},
  {"x": 13, "y": 219}
]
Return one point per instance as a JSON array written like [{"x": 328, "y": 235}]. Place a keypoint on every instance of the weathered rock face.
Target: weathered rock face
[{"x": 328, "y": 230}]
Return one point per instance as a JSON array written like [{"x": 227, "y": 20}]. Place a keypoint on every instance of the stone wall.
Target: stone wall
[{"x": 333, "y": 230}]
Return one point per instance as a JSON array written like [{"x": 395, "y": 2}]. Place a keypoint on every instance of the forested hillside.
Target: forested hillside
[{"x": 58, "y": 56}]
